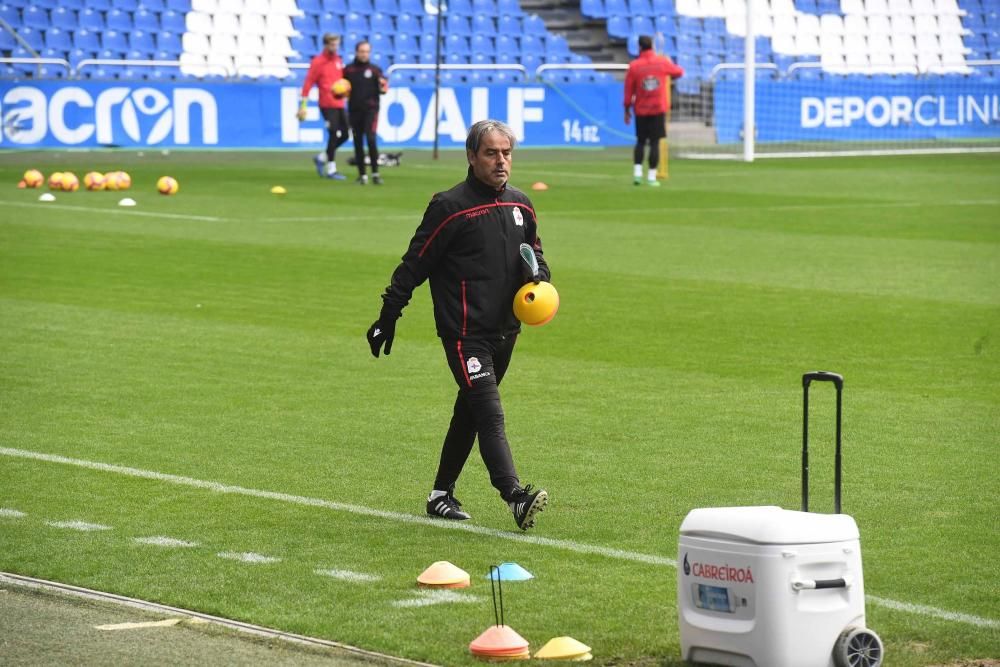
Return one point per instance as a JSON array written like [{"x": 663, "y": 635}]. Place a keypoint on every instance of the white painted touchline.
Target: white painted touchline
[
  {"x": 567, "y": 545},
  {"x": 77, "y": 525},
  {"x": 160, "y": 541},
  {"x": 442, "y": 596},
  {"x": 117, "y": 211},
  {"x": 166, "y": 623},
  {"x": 347, "y": 575},
  {"x": 11, "y": 514},
  {"x": 248, "y": 557}
]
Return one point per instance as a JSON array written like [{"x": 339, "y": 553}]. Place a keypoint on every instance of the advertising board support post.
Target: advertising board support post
[{"x": 749, "y": 82}]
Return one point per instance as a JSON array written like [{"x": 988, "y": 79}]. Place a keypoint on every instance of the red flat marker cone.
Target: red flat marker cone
[{"x": 499, "y": 641}]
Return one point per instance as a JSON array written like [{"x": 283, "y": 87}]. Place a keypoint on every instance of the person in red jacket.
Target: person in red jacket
[
  {"x": 647, "y": 90},
  {"x": 324, "y": 69}
]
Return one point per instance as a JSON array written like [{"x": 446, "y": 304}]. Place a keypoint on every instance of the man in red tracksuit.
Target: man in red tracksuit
[
  {"x": 468, "y": 245},
  {"x": 646, "y": 89},
  {"x": 324, "y": 69}
]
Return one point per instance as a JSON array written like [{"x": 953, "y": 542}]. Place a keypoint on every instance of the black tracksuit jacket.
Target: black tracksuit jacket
[{"x": 468, "y": 245}]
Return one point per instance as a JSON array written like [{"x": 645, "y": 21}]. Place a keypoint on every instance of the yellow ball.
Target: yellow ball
[
  {"x": 124, "y": 180},
  {"x": 341, "y": 88},
  {"x": 167, "y": 185},
  {"x": 111, "y": 180},
  {"x": 70, "y": 183},
  {"x": 535, "y": 304},
  {"x": 93, "y": 180},
  {"x": 33, "y": 178},
  {"x": 55, "y": 180}
]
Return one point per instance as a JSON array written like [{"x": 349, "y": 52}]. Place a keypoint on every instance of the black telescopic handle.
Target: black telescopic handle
[{"x": 838, "y": 382}]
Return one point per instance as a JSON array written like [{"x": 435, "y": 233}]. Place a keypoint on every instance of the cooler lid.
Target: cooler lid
[{"x": 769, "y": 525}]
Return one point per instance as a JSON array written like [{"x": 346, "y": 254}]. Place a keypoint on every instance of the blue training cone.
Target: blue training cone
[{"x": 509, "y": 572}]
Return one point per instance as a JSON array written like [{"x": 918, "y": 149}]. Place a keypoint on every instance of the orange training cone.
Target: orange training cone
[{"x": 443, "y": 574}]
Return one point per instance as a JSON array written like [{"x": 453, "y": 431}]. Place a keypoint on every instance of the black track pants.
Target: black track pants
[{"x": 478, "y": 368}]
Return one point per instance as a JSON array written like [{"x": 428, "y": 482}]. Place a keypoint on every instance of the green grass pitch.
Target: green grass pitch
[{"x": 218, "y": 335}]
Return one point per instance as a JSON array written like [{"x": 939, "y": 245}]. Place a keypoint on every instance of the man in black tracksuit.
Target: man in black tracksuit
[
  {"x": 468, "y": 246},
  {"x": 367, "y": 84}
]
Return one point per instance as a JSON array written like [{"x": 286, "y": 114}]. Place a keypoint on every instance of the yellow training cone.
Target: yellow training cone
[
  {"x": 564, "y": 648},
  {"x": 278, "y": 190},
  {"x": 443, "y": 574}
]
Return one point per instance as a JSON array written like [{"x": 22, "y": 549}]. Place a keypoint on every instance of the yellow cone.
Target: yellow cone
[
  {"x": 278, "y": 190},
  {"x": 564, "y": 648},
  {"x": 443, "y": 574}
]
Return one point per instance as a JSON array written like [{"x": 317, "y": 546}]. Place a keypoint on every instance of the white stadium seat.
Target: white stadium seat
[
  {"x": 784, "y": 43},
  {"x": 196, "y": 43},
  {"x": 928, "y": 43},
  {"x": 948, "y": 8},
  {"x": 905, "y": 63},
  {"x": 807, "y": 45},
  {"x": 206, "y": 6},
  {"x": 224, "y": 23},
  {"x": 903, "y": 45},
  {"x": 923, "y": 7},
  {"x": 247, "y": 43},
  {"x": 257, "y": 6},
  {"x": 223, "y": 44},
  {"x": 831, "y": 23},
  {"x": 785, "y": 24},
  {"x": 925, "y": 23},
  {"x": 879, "y": 24},
  {"x": 712, "y": 9},
  {"x": 286, "y": 7},
  {"x": 855, "y": 23},
  {"x": 736, "y": 24},
  {"x": 199, "y": 22},
  {"x": 247, "y": 65},
  {"x": 900, "y": 7},
  {"x": 808, "y": 24},
  {"x": 902, "y": 24},
  {"x": 280, "y": 45},
  {"x": 689, "y": 8},
  {"x": 876, "y": 8},
  {"x": 274, "y": 65},
  {"x": 231, "y": 6},
  {"x": 219, "y": 64},
  {"x": 783, "y": 8},
  {"x": 193, "y": 64},
  {"x": 833, "y": 62},
  {"x": 950, "y": 23},
  {"x": 852, "y": 7},
  {"x": 252, "y": 24},
  {"x": 856, "y": 62},
  {"x": 280, "y": 24}
]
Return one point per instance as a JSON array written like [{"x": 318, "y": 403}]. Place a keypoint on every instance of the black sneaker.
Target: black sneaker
[
  {"x": 377, "y": 178},
  {"x": 362, "y": 179},
  {"x": 447, "y": 507},
  {"x": 525, "y": 504}
]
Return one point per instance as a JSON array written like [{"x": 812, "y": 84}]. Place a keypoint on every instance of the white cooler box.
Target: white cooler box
[{"x": 769, "y": 587}]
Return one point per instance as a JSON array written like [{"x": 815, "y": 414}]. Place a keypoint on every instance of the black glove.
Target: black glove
[{"x": 381, "y": 333}]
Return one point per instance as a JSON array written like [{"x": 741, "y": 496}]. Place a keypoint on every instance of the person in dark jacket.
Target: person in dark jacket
[
  {"x": 367, "y": 84},
  {"x": 468, "y": 246}
]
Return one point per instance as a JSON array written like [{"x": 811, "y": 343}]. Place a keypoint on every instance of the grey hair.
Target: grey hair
[{"x": 484, "y": 127}]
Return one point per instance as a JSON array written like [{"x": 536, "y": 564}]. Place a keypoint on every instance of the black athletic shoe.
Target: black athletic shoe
[
  {"x": 377, "y": 178},
  {"x": 525, "y": 504},
  {"x": 447, "y": 507}
]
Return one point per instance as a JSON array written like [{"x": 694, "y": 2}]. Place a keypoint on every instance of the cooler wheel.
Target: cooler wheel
[{"x": 858, "y": 647}]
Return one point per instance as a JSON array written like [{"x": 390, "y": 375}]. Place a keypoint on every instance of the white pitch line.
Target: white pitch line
[
  {"x": 160, "y": 541},
  {"x": 786, "y": 207},
  {"x": 248, "y": 557},
  {"x": 165, "y": 623},
  {"x": 348, "y": 575},
  {"x": 77, "y": 525},
  {"x": 427, "y": 598},
  {"x": 11, "y": 514},
  {"x": 117, "y": 211},
  {"x": 567, "y": 545}
]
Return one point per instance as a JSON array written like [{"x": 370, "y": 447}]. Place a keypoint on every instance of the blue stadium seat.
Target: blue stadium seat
[
  {"x": 117, "y": 19},
  {"x": 458, "y": 25},
  {"x": 714, "y": 26},
  {"x": 382, "y": 23},
  {"x": 482, "y": 44},
  {"x": 713, "y": 43},
  {"x": 509, "y": 25},
  {"x": 530, "y": 62},
  {"x": 76, "y": 55},
  {"x": 411, "y": 7},
  {"x": 112, "y": 40},
  {"x": 482, "y": 23},
  {"x": 330, "y": 22},
  {"x": 459, "y": 8},
  {"x": 534, "y": 25},
  {"x": 390, "y": 7},
  {"x": 593, "y": 9},
  {"x": 91, "y": 19},
  {"x": 506, "y": 44},
  {"x": 144, "y": 19},
  {"x": 640, "y": 8},
  {"x": 313, "y": 7},
  {"x": 532, "y": 44},
  {"x": 488, "y": 7},
  {"x": 666, "y": 25},
  {"x": 58, "y": 39},
  {"x": 828, "y": 6},
  {"x": 405, "y": 43},
  {"x": 306, "y": 24},
  {"x": 381, "y": 44},
  {"x": 335, "y": 6},
  {"x": 688, "y": 24},
  {"x": 664, "y": 8},
  {"x": 616, "y": 8},
  {"x": 64, "y": 18},
  {"x": 457, "y": 59},
  {"x": 36, "y": 17},
  {"x": 642, "y": 25},
  {"x": 408, "y": 24},
  {"x": 404, "y": 58},
  {"x": 619, "y": 26},
  {"x": 10, "y": 14},
  {"x": 169, "y": 42},
  {"x": 153, "y": 5},
  {"x": 360, "y": 6},
  {"x": 806, "y": 6},
  {"x": 556, "y": 45},
  {"x": 356, "y": 22},
  {"x": 457, "y": 44},
  {"x": 173, "y": 21},
  {"x": 7, "y": 41},
  {"x": 32, "y": 36},
  {"x": 182, "y": 6},
  {"x": 140, "y": 40},
  {"x": 126, "y": 5},
  {"x": 509, "y": 8}
]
